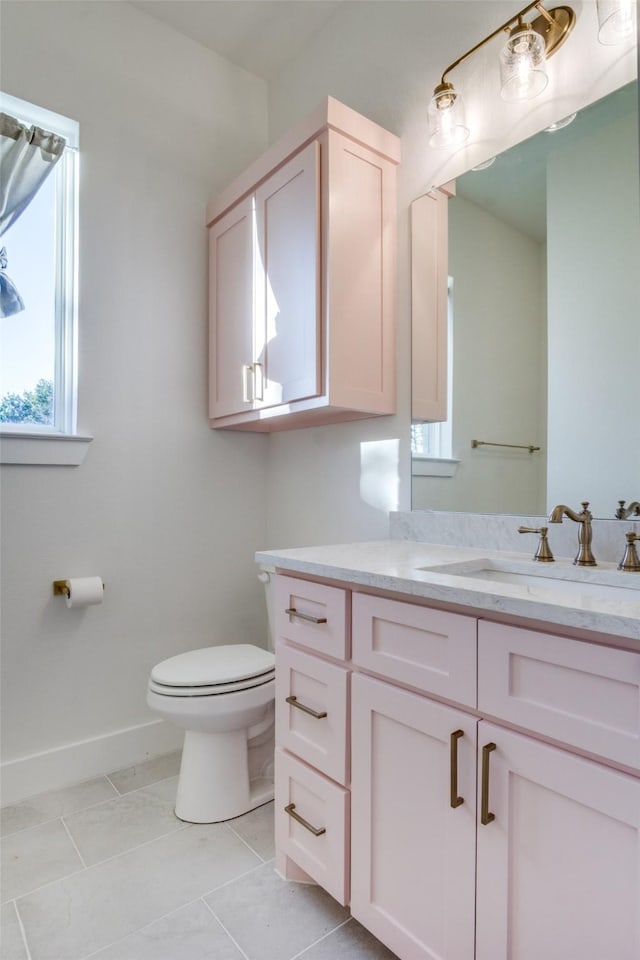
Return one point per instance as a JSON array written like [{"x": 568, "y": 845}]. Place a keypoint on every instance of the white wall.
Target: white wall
[
  {"x": 594, "y": 427},
  {"x": 383, "y": 59},
  {"x": 168, "y": 512},
  {"x": 499, "y": 321}
]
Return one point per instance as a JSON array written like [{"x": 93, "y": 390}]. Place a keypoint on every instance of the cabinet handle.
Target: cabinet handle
[
  {"x": 455, "y": 801},
  {"x": 316, "y": 831},
  {"x": 312, "y": 713},
  {"x": 485, "y": 816},
  {"x": 247, "y": 378},
  {"x": 305, "y": 616},
  {"x": 258, "y": 381}
]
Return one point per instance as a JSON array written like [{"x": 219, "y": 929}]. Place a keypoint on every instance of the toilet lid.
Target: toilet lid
[{"x": 210, "y": 666}]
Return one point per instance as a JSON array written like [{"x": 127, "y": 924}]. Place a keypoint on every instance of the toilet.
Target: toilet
[{"x": 223, "y": 697}]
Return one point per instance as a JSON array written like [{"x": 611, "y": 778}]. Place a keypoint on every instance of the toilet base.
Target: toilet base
[{"x": 214, "y": 784}]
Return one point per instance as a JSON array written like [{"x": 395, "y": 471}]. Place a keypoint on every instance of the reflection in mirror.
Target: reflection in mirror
[{"x": 544, "y": 265}]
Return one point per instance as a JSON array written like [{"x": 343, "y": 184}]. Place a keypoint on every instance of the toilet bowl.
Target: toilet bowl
[{"x": 223, "y": 698}]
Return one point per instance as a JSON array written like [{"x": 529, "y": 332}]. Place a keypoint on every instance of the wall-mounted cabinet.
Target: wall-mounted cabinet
[{"x": 302, "y": 269}]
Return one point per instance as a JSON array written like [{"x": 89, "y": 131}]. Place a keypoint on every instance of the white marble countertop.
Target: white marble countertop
[{"x": 553, "y": 598}]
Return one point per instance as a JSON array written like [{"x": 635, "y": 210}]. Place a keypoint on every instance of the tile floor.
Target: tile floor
[{"x": 105, "y": 870}]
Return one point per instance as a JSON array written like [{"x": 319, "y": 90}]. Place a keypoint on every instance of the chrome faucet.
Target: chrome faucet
[
  {"x": 632, "y": 510},
  {"x": 584, "y": 557}
]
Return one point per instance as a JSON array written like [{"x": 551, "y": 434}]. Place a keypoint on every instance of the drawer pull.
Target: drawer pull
[
  {"x": 316, "y": 831},
  {"x": 294, "y": 702},
  {"x": 305, "y": 616},
  {"x": 485, "y": 816},
  {"x": 455, "y": 800}
]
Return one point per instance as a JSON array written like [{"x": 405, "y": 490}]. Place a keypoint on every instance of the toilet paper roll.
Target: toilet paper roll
[{"x": 84, "y": 591}]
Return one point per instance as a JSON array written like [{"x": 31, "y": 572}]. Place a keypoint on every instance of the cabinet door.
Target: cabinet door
[
  {"x": 231, "y": 311},
  {"x": 559, "y": 865},
  {"x": 413, "y": 842},
  {"x": 287, "y": 331},
  {"x": 360, "y": 211}
]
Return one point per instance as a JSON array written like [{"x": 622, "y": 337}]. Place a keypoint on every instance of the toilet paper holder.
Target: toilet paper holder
[{"x": 61, "y": 589}]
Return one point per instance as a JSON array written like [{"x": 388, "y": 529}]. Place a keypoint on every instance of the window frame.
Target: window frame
[{"x": 58, "y": 443}]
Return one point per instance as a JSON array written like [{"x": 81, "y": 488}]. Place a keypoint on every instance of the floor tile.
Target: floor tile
[
  {"x": 103, "y": 904},
  {"x": 122, "y": 824},
  {"x": 158, "y": 768},
  {"x": 37, "y": 856},
  {"x": 164, "y": 790},
  {"x": 56, "y": 803},
  {"x": 13, "y": 947},
  {"x": 192, "y": 933},
  {"x": 272, "y": 919},
  {"x": 256, "y": 829},
  {"x": 349, "y": 942}
]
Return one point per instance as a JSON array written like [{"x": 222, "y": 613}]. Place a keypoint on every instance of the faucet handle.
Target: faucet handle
[
  {"x": 630, "y": 560},
  {"x": 543, "y": 553}
]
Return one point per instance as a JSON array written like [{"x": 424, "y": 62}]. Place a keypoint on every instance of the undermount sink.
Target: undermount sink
[{"x": 560, "y": 578}]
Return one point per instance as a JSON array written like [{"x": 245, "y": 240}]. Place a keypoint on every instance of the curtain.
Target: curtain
[{"x": 27, "y": 157}]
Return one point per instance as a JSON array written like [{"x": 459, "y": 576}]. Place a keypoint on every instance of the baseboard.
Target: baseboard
[{"x": 75, "y": 762}]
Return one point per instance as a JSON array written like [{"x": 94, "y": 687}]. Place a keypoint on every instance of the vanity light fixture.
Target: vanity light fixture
[
  {"x": 616, "y": 20},
  {"x": 522, "y": 68},
  {"x": 560, "y": 124}
]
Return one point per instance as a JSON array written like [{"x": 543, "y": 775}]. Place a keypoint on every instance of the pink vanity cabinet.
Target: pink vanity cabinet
[
  {"x": 485, "y": 801},
  {"x": 302, "y": 273}
]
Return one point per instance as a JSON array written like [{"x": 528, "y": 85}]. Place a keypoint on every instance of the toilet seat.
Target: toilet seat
[{"x": 212, "y": 671}]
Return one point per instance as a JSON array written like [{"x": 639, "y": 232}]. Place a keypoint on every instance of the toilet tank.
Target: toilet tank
[{"x": 266, "y": 578}]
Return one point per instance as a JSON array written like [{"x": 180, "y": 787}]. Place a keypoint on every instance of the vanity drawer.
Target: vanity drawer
[
  {"x": 313, "y": 724},
  {"x": 581, "y": 694},
  {"x": 312, "y": 615},
  {"x": 320, "y": 844},
  {"x": 430, "y": 650}
]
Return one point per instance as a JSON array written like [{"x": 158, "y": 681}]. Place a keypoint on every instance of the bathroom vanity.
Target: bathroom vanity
[{"x": 458, "y": 748}]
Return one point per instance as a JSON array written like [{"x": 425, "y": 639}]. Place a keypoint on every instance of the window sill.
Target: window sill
[
  {"x": 44, "y": 449},
  {"x": 433, "y": 467}
]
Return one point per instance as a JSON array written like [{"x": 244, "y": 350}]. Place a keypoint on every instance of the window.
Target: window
[
  {"x": 431, "y": 442},
  {"x": 38, "y": 357}
]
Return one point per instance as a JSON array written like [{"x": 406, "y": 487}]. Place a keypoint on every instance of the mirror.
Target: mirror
[{"x": 544, "y": 304}]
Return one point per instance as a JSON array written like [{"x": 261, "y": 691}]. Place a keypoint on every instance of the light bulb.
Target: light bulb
[
  {"x": 616, "y": 20},
  {"x": 522, "y": 64},
  {"x": 446, "y": 117}
]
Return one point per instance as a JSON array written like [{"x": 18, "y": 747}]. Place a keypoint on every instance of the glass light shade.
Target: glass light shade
[
  {"x": 446, "y": 117},
  {"x": 616, "y": 20},
  {"x": 522, "y": 65}
]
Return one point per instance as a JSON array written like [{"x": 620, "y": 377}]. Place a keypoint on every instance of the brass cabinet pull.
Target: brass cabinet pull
[
  {"x": 258, "y": 381},
  {"x": 305, "y": 616},
  {"x": 316, "y": 831},
  {"x": 485, "y": 816},
  {"x": 312, "y": 713},
  {"x": 455, "y": 801},
  {"x": 247, "y": 377}
]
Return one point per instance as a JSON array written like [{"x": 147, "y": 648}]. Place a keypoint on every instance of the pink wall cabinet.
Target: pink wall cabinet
[{"x": 302, "y": 269}]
